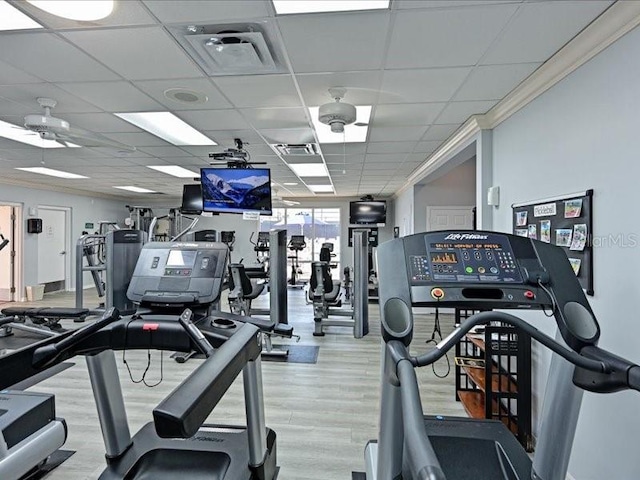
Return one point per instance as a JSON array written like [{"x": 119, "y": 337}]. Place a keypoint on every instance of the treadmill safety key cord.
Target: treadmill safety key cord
[
  {"x": 438, "y": 294},
  {"x": 146, "y": 327}
]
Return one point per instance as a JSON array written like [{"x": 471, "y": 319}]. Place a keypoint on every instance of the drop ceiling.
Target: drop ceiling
[{"x": 424, "y": 66}]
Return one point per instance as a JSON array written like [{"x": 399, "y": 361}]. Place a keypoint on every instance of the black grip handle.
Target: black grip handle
[
  {"x": 194, "y": 333},
  {"x": 49, "y": 354}
]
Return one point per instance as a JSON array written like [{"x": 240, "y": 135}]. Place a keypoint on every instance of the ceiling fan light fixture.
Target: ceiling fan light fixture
[{"x": 81, "y": 10}]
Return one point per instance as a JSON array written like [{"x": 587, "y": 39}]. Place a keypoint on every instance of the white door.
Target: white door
[
  {"x": 7, "y": 269},
  {"x": 449, "y": 218},
  {"x": 52, "y": 246}
]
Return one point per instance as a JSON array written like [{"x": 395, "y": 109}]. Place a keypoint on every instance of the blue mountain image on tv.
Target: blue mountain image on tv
[{"x": 251, "y": 191}]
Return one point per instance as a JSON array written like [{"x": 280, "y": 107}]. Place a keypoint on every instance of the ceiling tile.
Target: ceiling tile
[
  {"x": 27, "y": 95},
  {"x": 340, "y": 148},
  {"x": 113, "y": 96},
  {"x": 155, "y": 56},
  {"x": 494, "y": 82},
  {"x": 458, "y": 112},
  {"x": 288, "y": 135},
  {"x": 140, "y": 139},
  {"x": 226, "y": 139},
  {"x": 169, "y": 151},
  {"x": 341, "y": 42},
  {"x": 445, "y": 38},
  {"x": 390, "y": 147},
  {"x": 10, "y": 75},
  {"x": 206, "y": 10},
  {"x": 406, "y": 114},
  {"x": 427, "y": 147},
  {"x": 439, "y": 132},
  {"x": 14, "y": 112},
  {"x": 100, "y": 122},
  {"x": 260, "y": 91},
  {"x": 156, "y": 88},
  {"x": 214, "y": 119},
  {"x": 341, "y": 159},
  {"x": 43, "y": 54},
  {"x": 396, "y": 134},
  {"x": 276, "y": 117},
  {"x": 385, "y": 158},
  {"x": 429, "y": 85},
  {"x": 363, "y": 88},
  {"x": 559, "y": 20},
  {"x": 406, "y": 4}
]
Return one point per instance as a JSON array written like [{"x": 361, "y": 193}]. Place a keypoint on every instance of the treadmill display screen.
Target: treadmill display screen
[
  {"x": 181, "y": 258},
  {"x": 466, "y": 257}
]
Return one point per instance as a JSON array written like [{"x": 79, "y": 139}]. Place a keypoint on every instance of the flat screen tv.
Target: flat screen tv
[
  {"x": 236, "y": 190},
  {"x": 368, "y": 212},
  {"x": 192, "y": 199}
]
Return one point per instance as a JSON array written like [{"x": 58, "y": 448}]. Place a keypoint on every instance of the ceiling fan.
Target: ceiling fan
[
  {"x": 278, "y": 201},
  {"x": 58, "y": 130},
  {"x": 338, "y": 114},
  {"x": 234, "y": 157}
]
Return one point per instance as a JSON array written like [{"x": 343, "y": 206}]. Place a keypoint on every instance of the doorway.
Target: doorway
[
  {"x": 9, "y": 253},
  {"x": 449, "y": 218},
  {"x": 54, "y": 249}
]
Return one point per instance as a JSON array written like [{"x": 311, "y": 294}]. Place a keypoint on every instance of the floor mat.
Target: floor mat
[
  {"x": 297, "y": 354},
  {"x": 358, "y": 476},
  {"x": 39, "y": 377},
  {"x": 55, "y": 460}
]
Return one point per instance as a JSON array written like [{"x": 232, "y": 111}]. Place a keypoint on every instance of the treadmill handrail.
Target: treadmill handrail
[
  {"x": 183, "y": 411},
  {"x": 483, "y": 318}
]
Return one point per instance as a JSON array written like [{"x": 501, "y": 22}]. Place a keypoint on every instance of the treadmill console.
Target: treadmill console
[
  {"x": 473, "y": 270},
  {"x": 180, "y": 273}
]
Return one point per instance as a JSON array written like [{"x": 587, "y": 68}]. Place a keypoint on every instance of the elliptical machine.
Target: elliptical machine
[{"x": 296, "y": 244}]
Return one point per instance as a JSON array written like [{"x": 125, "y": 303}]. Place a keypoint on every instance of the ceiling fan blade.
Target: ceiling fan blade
[{"x": 361, "y": 124}]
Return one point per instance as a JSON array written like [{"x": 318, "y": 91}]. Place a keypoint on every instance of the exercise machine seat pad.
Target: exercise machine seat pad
[{"x": 331, "y": 287}]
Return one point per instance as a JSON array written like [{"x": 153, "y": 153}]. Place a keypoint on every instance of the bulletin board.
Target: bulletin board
[{"x": 565, "y": 221}]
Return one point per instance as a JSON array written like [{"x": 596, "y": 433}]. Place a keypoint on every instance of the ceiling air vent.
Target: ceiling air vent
[
  {"x": 238, "y": 49},
  {"x": 296, "y": 148}
]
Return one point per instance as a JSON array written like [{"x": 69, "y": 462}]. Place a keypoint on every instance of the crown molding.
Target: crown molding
[{"x": 618, "y": 20}]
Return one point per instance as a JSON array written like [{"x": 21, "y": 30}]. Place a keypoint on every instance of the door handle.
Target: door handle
[{"x": 63, "y": 253}]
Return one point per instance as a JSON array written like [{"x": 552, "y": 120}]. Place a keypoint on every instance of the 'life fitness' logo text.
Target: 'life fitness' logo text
[{"x": 465, "y": 236}]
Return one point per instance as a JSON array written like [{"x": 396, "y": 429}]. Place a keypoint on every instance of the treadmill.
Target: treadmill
[
  {"x": 176, "y": 286},
  {"x": 482, "y": 271}
]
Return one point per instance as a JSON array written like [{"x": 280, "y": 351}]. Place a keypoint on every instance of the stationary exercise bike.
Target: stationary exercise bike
[
  {"x": 296, "y": 244},
  {"x": 228, "y": 238}
]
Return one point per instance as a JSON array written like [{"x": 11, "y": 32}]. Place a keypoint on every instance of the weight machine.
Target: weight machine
[{"x": 296, "y": 244}]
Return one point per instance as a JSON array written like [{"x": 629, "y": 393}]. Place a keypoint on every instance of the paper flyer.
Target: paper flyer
[
  {"x": 521, "y": 219},
  {"x": 563, "y": 237},
  {"x": 546, "y": 210},
  {"x": 545, "y": 231},
  {"x": 573, "y": 208},
  {"x": 522, "y": 232},
  {"x": 533, "y": 231},
  {"x": 575, "y": 264},
  {"x": 579, "y": 237}
]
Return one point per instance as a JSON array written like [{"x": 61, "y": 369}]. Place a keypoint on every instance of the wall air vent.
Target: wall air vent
[
  {"x": 238, "y": 49},
  {"x": 296, "y": 148}
]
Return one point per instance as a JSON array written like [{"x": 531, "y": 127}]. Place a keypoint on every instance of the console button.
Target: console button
[
  {"x": 529, "y": 294},
  {"x": 437, "y": 293}
]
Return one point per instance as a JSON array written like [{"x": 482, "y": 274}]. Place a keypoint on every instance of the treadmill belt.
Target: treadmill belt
[{"x": 471, "y": 459}]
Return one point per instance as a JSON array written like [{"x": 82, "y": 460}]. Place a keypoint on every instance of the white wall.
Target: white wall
[
  {"x": 5, "y": 254},
  {"x": 581, "y": 134},
  {"x": 455, "y": 188},
  {"x": 83, "y": 209},
  {"x": 242, "y": 248},
  {"x": 403, "y": 212}
]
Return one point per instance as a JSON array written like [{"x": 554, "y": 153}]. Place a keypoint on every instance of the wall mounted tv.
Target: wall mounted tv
[
  {"x": 192, "y": 199},
  {"x": 368, "y": 212},
  {"x": 236, "y": 190}
]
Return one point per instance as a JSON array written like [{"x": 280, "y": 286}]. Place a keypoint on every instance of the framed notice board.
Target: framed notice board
[{"x": 565, "y": 221}]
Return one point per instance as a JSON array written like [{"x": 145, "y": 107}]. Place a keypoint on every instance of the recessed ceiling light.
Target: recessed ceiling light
[
  {"x": 320, "y": 188},
  {"x": 13, "y": 19},
  {"x": 168, "y": 127},
  {"x": 51, "y": 172},
  {"x": 284, "y": 7},
  {"x": 290, "y": 184},
  {"x": 19, "y": 134},
  {"x": 131, "y": 188},
  {"x": 174, "y": 170},
  {"x": 309, "y": 169},
  {"x": 352, "y": 133},
  {"x": 83, "y": 10}
]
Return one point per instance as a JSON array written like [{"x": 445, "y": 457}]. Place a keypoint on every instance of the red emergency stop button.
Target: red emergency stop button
[
  {"x": 529, "y": 294},
  {"x": 437, "y": 293}
]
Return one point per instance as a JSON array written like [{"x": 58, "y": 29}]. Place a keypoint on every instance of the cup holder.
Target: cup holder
[{"x": 223, "y": 323}]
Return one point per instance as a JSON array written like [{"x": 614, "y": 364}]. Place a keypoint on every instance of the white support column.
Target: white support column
[{"x": 484, "y": 179}]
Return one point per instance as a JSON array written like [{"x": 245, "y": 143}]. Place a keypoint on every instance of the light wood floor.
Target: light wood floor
[{"x": 323, "y": 414}]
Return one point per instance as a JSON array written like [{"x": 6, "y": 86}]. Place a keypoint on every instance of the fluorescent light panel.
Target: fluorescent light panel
[
  {"x": 19, "y": 134},
  {"x": 284, "y": 7},
  {"x": 13, "y": 19},
  {"x": 85, "y": 11},
  {"x": 309, "y": 169},
  {"x": 320, "y": 188},
  {"x": 174, "y": 170},
  {"x": 290, "y": 184},
  {"x": 131, "y": 188},
  {"x": 352, "y": 133},
  {"x": 168, "y": 127},
  {"x": 51, "y": 172}
]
